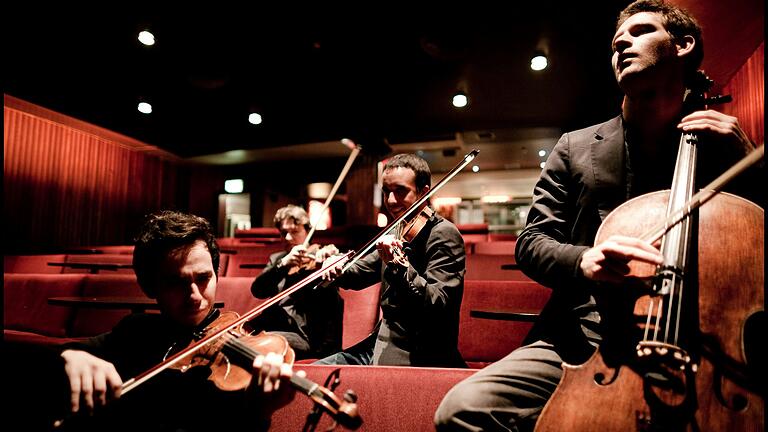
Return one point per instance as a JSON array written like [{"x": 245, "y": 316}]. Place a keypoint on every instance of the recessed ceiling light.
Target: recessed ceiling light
[{"x": 146, "y": 38}]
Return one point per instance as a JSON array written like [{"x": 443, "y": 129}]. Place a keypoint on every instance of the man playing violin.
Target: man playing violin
[
  {"x": 657, "y": 48},
  {"x": 309, "y": 319},
  {"x": 176, "y": 260},
  {"x": 422, "y": 280}
]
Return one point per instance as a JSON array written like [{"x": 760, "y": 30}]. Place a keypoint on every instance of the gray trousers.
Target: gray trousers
[{"x": 507, "y": 395}]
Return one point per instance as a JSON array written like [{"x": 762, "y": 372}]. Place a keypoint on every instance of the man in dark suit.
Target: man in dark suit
[
  {"x": 176, "y": 260},
  {"x": 422, "y": 281},
  {"x": 310, "y": 319},
  {"x": 656, "y": 50}
]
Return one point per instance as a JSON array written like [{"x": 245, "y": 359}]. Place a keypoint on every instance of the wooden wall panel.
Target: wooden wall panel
[{"x": 69, "y": 184}]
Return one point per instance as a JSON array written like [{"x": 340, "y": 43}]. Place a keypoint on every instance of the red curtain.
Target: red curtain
[
  {"x": 748, "y": 90},
  {"x": 68, "y": 183}
]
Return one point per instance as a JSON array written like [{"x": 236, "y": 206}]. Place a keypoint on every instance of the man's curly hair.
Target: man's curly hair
[{"x": 163, "y": 233}]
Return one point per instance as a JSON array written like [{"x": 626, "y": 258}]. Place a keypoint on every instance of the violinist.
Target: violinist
[
  {"x": 309, "y": 319},
  {"x": 657, "y": 48},
  {"x": 176, "y": 260},
  {"x": 422, "y": 279}
]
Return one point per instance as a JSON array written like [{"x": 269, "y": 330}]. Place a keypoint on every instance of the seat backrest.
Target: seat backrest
[
  {"x": 489, "y": 328},
  {"x": 493, "y": 267},
  {"x": 25, "y": 302},
  {"x": 389, "y": 398},
  {"x": 90, "y": 321},
  {"x": 125, "y": 260},
  {"x": 235, "y": 292},
  {"x": 506, "y": 248},
  {"x": 37, "y": 264},
  {"x": 361, "y": 313},
  {"x": 245, "y": 265}
]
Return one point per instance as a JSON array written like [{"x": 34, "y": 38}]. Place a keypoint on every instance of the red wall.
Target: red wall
[{"x": 68, "y": 183}]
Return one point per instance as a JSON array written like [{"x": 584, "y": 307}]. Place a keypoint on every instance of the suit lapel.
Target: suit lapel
[{"x": 608, "y": 165}]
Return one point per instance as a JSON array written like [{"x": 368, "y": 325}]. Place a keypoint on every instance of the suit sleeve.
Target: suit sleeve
[
  {"x": 441, "y": 282},
  {"x": 543, "y": 250},
  {"x": 266, "y": 284}
]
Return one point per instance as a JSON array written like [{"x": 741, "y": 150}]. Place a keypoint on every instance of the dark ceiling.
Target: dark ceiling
[{"x": 378, "y": 77}]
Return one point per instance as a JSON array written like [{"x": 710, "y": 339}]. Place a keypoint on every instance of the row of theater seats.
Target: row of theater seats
[
  {"x": 243, "y": 261},
  {"x": 495, "y": 315}
]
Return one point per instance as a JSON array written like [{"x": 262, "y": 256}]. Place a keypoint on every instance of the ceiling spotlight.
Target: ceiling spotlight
[
  {"x": 460, "y": 100},
  {"x": 146, "y": 38},
  {"x": 254, "y": 118},
  {"x": 145, "y": 108},
  {"x": 539, "y": 62},
  {"x": 475, "y": 168},
  {"x": 542, "y": 153}
]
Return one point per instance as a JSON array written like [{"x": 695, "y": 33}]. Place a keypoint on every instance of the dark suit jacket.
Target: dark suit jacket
[
  {"x": 420, "y": 305},
  {"x": 315, "y": 315},
  {"x": 585, "y": 178}
]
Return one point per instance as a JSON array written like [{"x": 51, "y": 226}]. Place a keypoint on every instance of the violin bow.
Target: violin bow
[{"x": 355, "y": 150}]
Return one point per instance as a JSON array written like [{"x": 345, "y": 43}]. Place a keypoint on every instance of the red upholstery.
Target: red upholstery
[
  {"x": 234, "y": 268},
  {"x": 111, "y": 249},
  {"x": 361, "y": 313},
  {"x": 37, "y": 264},
  {"x": 258, "y": 232},
  {"x": 223, "y": 264},
  {"x": 485, "y": 337},
  {"x": 235, "y": 292},
  {"x": 493, "y": 267},
  {"x": 25, "y": 302},
  {"x": 502, "y": 237},
  {"x": 473, "y": 233},
  {"x": 91, "y": 321},
  {"x": 390, "y": 398},
  {"x": 496, "y": 248},
  {"x": 121, "y": 259}
]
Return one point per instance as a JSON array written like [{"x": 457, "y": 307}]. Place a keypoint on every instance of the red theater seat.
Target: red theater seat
[
  {"x": 26, "y": 312},
  {"x": 37, "y": 264},
  {"x": 90, "y": 321},
  {"x": 493, "y": 267},
  {"x": 389, "y": 398},
  {"x": 235, "y": 292},
  {"x": 361, "y": 313},
  {"x": 496, "y": 248},
  {"x": 496, "y": 316},
  {"x": 99, "y": 263}
]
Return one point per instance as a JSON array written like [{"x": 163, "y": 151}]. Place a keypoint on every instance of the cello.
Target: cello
[{"x": 681, "y": 355}]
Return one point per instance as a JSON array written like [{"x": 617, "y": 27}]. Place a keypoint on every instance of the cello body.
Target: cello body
[{"x": 721, "y": 386}]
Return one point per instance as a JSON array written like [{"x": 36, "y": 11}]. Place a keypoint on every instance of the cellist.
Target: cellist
[
  {"x": 176, "y": 259},
  {"x": 657, "y": 49}
]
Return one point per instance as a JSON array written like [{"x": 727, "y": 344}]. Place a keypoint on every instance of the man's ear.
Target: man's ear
[
  {"x": 685, "y": 45},
  {"x": 424, "y": 190}
]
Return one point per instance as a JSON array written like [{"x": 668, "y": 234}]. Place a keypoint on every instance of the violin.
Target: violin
[
  {"x": 311, "y": 258},
  {"x": 408, "y": 231},
  {"x": 230, "y": 358}
]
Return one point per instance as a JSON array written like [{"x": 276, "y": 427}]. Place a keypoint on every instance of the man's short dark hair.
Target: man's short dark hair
[
  {"x": 163, "y": 233},
  {"x": 678, "y": 22},
  {"x": 416, "y": 164}
]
